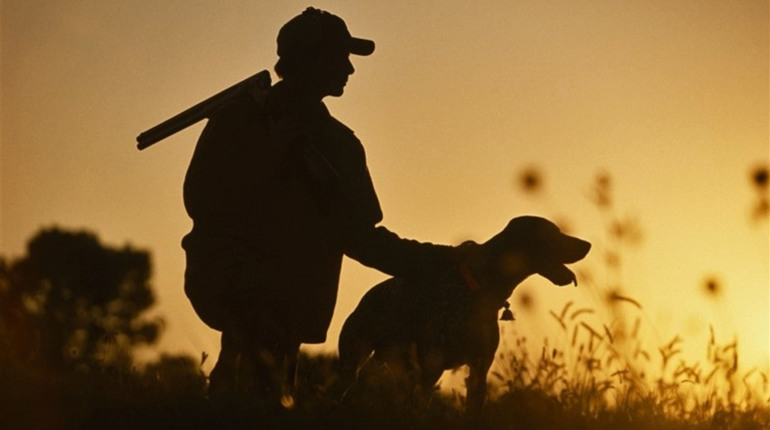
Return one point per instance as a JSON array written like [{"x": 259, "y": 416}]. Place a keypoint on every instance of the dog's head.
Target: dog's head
[{"x": 544, "y": 247}]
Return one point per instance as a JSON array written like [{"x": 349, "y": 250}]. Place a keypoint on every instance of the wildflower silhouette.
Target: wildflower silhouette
[
  {"x": 712, "y": 287},
  {"x": 531, "y": 180},
  {"x": 760, "y": 183}
]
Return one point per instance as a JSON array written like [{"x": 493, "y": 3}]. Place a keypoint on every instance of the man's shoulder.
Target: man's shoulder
[
  {"x": 239, "y": 117},
  {"x": 251, "y": 99},
  {"x": 338, "y": 126},
  {"x": 245, "y": 107}
]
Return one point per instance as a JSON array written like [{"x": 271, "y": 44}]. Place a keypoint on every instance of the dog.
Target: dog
[{"x": 424, "y": 327}]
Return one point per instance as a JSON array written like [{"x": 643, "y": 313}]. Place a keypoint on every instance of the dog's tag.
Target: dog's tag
[{"x": 507, "y": 313}]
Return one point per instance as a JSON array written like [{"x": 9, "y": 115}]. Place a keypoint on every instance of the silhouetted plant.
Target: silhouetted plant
[
  {"x": 606, "y": 373},
  {"x": 712, "y": 287},
  {"x": 530, "y": 180},
  {"x": 760, "y": 183},
  {"x": 177, "y": 377},
  {"x": 73, "y": 301}
]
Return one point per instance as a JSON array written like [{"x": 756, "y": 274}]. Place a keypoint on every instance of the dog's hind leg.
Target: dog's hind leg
[{"x": 355, "y": 347}]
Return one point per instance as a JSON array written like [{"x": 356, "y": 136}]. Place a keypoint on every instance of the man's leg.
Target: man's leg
[
  {"x": 274, "y": 365},
  {"x": 224, "y": 381},
  {"x": 260, "y": 372}
]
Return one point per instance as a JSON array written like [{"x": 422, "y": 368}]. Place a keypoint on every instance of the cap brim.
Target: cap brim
[{"x": 361, "y": 46}]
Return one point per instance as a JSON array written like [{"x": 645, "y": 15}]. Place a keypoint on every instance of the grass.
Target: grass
[
  {"x": 606, "y": 380},
  {"x": 601, "y": 379}
]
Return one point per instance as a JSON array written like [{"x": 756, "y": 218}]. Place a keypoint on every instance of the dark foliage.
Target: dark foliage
[{"x": 72, "y": 301}]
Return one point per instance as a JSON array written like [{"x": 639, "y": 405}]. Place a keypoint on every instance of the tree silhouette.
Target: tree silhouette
[{"x": 72, "y": 301}]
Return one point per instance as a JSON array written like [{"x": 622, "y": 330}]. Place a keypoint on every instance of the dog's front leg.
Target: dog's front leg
[{"x": 476, "y": 386}]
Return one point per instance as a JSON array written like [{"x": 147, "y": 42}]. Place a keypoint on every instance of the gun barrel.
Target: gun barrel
[{"x": 198, "y": 112}]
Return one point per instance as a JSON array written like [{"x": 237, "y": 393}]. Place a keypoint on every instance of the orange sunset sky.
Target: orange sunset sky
[{"x": 668, "y": 98}]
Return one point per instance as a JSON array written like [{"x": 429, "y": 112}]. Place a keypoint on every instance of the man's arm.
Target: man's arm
[
  {"x": 376, "y": 246},
  {"x": 384, "y": 250}
]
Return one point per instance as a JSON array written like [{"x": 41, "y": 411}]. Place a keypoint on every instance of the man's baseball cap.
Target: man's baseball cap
[{"x": 315, "y": 30}]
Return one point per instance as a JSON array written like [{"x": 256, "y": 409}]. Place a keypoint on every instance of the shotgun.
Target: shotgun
[{"x": 253, "y": 85}]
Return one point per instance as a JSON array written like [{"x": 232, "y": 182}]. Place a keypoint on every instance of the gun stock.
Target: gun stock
[{"x": 202, "y": 110}]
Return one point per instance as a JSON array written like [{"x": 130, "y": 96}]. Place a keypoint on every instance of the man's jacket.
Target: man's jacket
[{"x": 278, "y": 190}]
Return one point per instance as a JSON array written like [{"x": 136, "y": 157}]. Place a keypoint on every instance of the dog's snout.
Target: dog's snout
[
  {"x": 574, "y": 249},
  {"x": 567, "y": 250}
]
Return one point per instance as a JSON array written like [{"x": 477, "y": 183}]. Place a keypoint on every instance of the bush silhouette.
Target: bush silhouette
[{"x": 72, "y": 301}]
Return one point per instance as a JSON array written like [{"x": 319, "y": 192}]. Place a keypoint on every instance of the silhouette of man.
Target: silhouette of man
[{"x": 278, "y": 191}]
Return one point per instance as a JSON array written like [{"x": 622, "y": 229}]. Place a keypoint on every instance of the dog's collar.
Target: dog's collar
[{"x": 470, "y": 281}]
